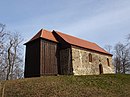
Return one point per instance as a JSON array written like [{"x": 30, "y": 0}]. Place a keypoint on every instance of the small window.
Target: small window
[
  {"x": 90, "y": 57},
  {"x": 108, "y": 62}
]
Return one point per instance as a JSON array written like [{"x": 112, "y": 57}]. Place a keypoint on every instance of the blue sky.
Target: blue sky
[{"x": 100, "y": 21}]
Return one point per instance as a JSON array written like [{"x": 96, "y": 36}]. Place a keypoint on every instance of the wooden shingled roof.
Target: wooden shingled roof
[{"x": 69, "y": 39}]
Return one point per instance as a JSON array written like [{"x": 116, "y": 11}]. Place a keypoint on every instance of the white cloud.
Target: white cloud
[{"x": 94, "y": 20}]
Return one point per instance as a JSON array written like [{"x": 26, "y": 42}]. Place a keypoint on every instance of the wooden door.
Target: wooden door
[{"x": 100, "y": 69}]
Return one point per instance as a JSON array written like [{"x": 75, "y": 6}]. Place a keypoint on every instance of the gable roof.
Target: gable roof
[
  {"x": 81, "y": 43},
  {"x": 69, "y": 39},
  {"x": 44, "y": 34}
]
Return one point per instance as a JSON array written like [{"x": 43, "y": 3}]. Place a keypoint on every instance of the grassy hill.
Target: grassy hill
[{"x": 68, "y": 86}]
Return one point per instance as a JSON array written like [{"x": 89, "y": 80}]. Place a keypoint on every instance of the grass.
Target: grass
[{"x": 69, "y": 86}]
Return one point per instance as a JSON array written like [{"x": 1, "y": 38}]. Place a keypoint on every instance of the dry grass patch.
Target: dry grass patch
[{"x": 70, "y": 86}]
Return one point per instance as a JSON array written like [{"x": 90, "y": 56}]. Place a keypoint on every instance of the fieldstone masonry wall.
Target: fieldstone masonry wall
[{"x": 82, "y": 66}]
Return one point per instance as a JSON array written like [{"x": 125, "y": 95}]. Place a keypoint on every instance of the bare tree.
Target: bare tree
[
  {"x": 108, "y": 48},
  {"x": 2, "y": 34},
  {"x": 121, "y": 58},
  {"x": 128, "y": 38},
  {"x": 13, "y": 57}
]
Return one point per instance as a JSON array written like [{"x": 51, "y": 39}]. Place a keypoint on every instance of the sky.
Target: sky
[{"x": 105, "y": 22}]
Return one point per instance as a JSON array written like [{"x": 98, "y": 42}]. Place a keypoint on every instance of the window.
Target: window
[
  {"x": 90, "y": 57},
  {"x": 108, "y": 62}
]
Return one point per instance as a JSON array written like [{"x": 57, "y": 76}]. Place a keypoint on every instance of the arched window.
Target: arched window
[
  {"x": 108, "y": 62},
  {"x": 90, "y": 57}
]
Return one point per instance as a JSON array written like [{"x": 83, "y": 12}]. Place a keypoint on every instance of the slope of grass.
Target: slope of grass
[{"x": 69, "y": 86}]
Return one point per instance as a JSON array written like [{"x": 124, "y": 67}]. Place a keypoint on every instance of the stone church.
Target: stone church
[{"x": 56, "y": 53}]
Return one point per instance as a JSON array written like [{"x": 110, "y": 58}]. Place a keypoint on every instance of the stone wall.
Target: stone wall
[{"x": 82, "y": 66}]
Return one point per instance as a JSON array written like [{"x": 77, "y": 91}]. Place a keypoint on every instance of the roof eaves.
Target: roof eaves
[
  {"x": 103, "y": 51},
  {"x": 38, "y": 35},
  {"x": 92, "y": 50}
]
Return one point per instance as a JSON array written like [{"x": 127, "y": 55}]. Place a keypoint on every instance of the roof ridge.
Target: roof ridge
[
  {"x": 75, "y": 37},
  {"x": 42, "y": 32},
  {"x": 93, "y": 46}
]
